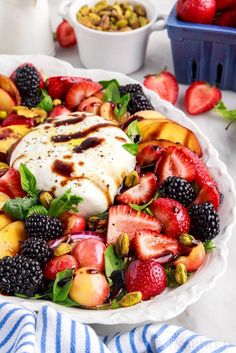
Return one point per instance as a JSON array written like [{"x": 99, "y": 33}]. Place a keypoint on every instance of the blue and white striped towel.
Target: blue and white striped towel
[{"x": 22, "y": 331}]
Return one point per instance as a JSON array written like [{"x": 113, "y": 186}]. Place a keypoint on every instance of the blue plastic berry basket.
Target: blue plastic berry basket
[{"x": 203, "y": 52}]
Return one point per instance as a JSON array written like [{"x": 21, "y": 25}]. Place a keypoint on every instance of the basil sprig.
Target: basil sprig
[
  {"x": 18, "y": 208},
  {"x": 112, "y": 261},
  {"x": 64, "y": 203},
  {"x": 134, "y": 133},
  {"x": 28, "y": 181},
  {"x": 46, "y": 103}
]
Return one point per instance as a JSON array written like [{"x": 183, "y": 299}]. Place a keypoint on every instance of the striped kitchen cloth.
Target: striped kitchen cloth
[{"x": 23, "y": 331}]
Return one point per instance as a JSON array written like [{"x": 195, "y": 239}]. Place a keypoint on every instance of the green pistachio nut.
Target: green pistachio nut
[
  {"x": 3, "y": 114},
  {"x": 131, "y": 179},
  {"x": 62, "y": 249},
  {"x": 140, "y": 10},
  {"x": 84, "y": 10},
  {"x": 122, "y": 245},
  {"x": 131, "y": 299},
  {"x": 181, "y": 275},
  {"x": 186, "y": 239},
  {"x": 45, "y": 198}
]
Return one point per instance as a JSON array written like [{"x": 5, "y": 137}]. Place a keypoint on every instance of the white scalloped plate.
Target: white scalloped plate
[{"x": 172, "y": 302}]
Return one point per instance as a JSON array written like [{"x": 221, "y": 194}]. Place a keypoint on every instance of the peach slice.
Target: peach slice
[
  {"x": 3, "y": 199},
  {"x": 11, "y": 237},
  {"x": 9, "y": 86},
  {"x": 90, "y": 105},
  {"x": 194, "y": 260},
  {"x": 6, "y": 101},
  {"x": 10, "y": 135},
  {"x": 4, "y": 220},
  {"x": 107, "y": 111}
]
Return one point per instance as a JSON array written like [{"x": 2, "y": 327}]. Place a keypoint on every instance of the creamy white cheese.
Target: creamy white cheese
[{"x": 81, "y": 152}]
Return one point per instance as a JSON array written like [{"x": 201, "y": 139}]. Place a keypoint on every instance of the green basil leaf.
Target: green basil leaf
[
  {"x": 132, "y": 148},
  {"x": 221, "y": 109},
  {"x": 46, "y": 103},
  {"x": 209, "y": 245},
  {"x": 60, "y": 293},
  {"x": 38, "y": 209},
  {"x": 28, "y": 181},
  {"x": 112, "y": 262},
  {"x": 64, "y": 203},
  {"x": 112, "y": 93},
  {"x": 133, "y": 131},
  {"x": 68, "y": 302},
  {"x": 144, "y": 207},
  {"x": 18, "y": 208},
  {"x": 122, "y": 105},
  {"x": 105, "y": 84}
]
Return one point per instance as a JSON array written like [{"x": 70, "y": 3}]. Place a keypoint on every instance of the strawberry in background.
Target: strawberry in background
[
  {"x": 66, "y": 35},
  {"x": 227, "y": 18},
  {"x": 196, "y": 11},
  {"x": 225, "y": 4}
]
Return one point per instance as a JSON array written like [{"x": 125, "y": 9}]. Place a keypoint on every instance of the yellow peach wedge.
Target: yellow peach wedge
[{"x": 10, "y": 238}]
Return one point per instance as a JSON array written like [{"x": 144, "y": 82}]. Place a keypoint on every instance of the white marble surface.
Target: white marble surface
[{"x": 214, "y": 315}]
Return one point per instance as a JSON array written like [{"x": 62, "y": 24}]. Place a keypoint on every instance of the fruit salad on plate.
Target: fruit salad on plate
[{"x": 104, "y": 202}]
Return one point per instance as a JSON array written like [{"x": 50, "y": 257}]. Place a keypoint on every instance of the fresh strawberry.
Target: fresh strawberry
[
  {"x": 149, "y": 244},
  {"x": 164, "y": 84},
  {"x": 148, "y": 277},
  {"x": 10, "y": 184},
  {"x": 209, "y": 194},
  {"x": 66, "y": 35},
  {"x": 172, "y": 215},
  {"x": 14, "y": 119},
  {"x": 197, "y": 11},
  {"x": 59, "y": 264},
  {"x": 174, "y": 162},
  {"x": 74, "y": 223},
  {"x": 227, "y": 18},
  {"x": 202, "y": 175},
  {"x": 42, "y": 83},
  {"x": 59, "y": 110},
  {"x": 123, "y": 219},
  {"x": 149, "y": 155},
  {"x": 225, "y": 4},
  {"x": 58, "y": 86},
  {"x": 140, "y": 193},
  {"x": 200, "y": 97},
  {"x": 80, "y": 91}
]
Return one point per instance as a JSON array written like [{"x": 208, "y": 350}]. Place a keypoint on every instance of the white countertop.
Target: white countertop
[{"x": 214, "y": 315}]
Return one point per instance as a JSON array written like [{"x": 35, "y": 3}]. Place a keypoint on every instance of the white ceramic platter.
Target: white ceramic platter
[{"x": 172, "y": 302}]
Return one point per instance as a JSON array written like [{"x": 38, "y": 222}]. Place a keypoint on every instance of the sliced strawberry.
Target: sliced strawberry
[
  {"x": 42, "y": 83},
  {"x": 227, "y": 18},
  {"x": 203, "y": 176},
  {"x": 80, "y": 91},
  {"x": 59, "y": 110},
  {"x": 123, "y": 219},
  {"x": 66, "y": 35},
  {"x": 10, "y": 184},
  {"x": 172, "y": 215},
  {"x": 14, "y": 119},
  {"x": 174, "y": 162},
  {"x": 164, "y": 84},
  {"x": 149, "y": 155},
  {"x": 149, "y": 244},
  {"x": 58, "y": 86},
  {"x": 140, "y": 193},
  {"x": 200, "y": 97},
  {"x": 209, "y": 194}
]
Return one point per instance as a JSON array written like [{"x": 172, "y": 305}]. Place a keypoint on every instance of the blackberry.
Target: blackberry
[
  {"x": 44, "y": 227},
  {"x": 139, "y": 102},
  {"x": 20, "y": 274},
  {"x": 27, "y": 79},
  {"x": 205, "y": 222},
  {"x": 133, "y": 88},
  {"x": 32, "y": 100},
  {"x": 37, "y": 249},
  {"x": 178, "y": 189}
]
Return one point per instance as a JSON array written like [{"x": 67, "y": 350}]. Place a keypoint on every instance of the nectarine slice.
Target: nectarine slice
[{"x": 6, "y": 101}]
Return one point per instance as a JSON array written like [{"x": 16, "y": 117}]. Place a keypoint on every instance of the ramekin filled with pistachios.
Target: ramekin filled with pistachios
[{"x": 113, "y": 35}]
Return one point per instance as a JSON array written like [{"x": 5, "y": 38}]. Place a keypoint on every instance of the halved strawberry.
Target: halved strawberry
[
  {"x": 58, "y": 86},
  {"x": 200, "y": 97},
  {"x": 123, "y": 219},
  {"x": 80, "y": 91},
  {"x": 149, "y": 155},
  {"x": 172, "y": 215},
  {"x": 14, "y": 119},
  {"x": 164, "y": 84},
  {"x": 140, "y": 193},
  {"x": 149, "y": 244},
  {"x": 209, "y": 194},
  {"x": 42, "y": 83},
  {"x": 66, "y": 35},
  {"x": 174, "y": 162},
  {"x": 10, "y": 184},
  {"x": 203, "y": 176},
  {"x": 59, "y": 110}
]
